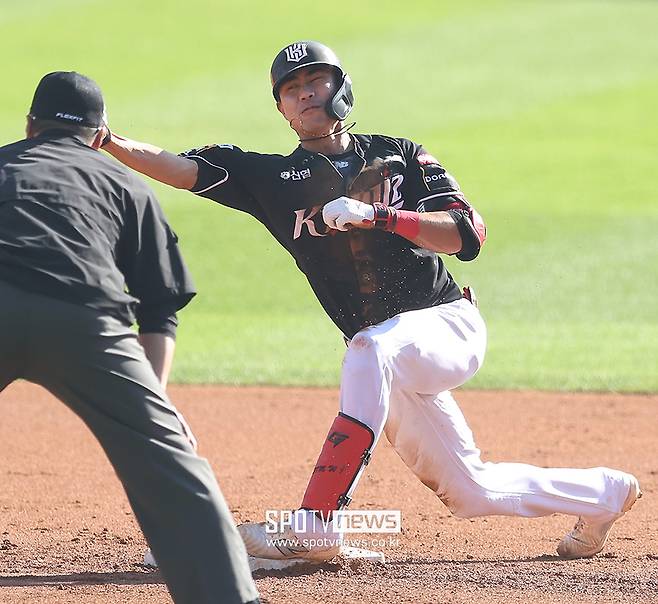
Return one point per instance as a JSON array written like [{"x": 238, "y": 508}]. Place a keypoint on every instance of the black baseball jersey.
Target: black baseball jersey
[
  {"x": 79, "y": 227},
  {"x": 361, "y": 277}
]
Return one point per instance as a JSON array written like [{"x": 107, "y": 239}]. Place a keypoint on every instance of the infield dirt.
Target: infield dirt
[{"x": 67, "y": 534}]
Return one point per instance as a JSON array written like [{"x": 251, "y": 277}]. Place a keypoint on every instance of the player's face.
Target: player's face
[{"x": 303, "y": 98}]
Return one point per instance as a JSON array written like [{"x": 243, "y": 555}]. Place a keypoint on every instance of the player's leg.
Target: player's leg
[
  {"x": 312, "y": 534},
  {"x": 97, "y": 367},
  {"x": 365, "y": 388},
  {"x": 403, "y": 351},
  {"x": 432, "y": 436},
  {"x": 375, "y": 358},
  {"x": 403, "y": 347}
]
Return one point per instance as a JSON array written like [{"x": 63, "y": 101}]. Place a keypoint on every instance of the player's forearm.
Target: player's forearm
[
  {"x": 153, "y": 161},
  {"x": 159, "y": 349},
  {"x": 438, "y": 232}
]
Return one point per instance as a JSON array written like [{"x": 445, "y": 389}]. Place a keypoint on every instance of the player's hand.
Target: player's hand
[
  {"x": 345, "y": 212},
  {"x": 107, "y": 135}
]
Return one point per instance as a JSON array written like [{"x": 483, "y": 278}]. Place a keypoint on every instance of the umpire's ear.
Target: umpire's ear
[{"x": 29, "y": 127}]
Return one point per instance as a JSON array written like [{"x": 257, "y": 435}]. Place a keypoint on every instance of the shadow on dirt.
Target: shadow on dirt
[
  {"x": 342, "y": 566},
  {"x": 115, "y": 578},
  {"x": 479, "y": 561}
]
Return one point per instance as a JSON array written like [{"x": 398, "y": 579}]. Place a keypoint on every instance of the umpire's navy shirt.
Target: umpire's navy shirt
[{"x": 79, "y": 227}]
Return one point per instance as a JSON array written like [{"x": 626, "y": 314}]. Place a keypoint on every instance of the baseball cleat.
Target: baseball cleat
[
  {"x": 286, "y": 545},
  {"x": 588, "y": 538}
]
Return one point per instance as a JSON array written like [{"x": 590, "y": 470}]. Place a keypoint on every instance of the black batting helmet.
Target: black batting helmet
[{"x": 305, "y": 53}]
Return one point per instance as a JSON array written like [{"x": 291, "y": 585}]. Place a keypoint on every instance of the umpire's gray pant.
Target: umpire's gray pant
[{"x": 95, "y": 365}]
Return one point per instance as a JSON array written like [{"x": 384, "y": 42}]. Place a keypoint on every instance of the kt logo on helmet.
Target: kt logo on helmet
[{"x": 296, "y": 52}]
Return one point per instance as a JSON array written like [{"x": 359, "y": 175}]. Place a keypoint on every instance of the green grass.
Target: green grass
[{"x": 544, "y": 111}]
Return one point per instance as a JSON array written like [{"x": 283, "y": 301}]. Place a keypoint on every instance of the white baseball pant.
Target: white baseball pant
[{"x": 397, "y": 378}]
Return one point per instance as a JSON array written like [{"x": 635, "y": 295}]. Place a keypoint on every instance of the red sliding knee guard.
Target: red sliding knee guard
[{"x": 344, "y": 454}]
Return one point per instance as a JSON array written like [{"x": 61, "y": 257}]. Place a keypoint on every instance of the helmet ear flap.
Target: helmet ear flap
[{"x": 340, "y": 105}]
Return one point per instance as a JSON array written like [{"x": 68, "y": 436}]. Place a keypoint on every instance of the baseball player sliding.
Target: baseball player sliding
[{"x": 366, "y": 218}]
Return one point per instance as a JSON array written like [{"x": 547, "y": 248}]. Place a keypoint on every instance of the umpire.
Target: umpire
[{"x": 85, "y": 250}]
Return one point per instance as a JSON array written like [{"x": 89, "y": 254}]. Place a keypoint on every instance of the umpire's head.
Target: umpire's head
[{"x": 67, "y": 100}]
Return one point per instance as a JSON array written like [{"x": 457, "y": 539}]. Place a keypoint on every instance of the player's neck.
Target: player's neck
[{"x": 329, "y": 145}]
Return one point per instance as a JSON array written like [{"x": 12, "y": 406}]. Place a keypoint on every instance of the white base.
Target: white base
[{"x": 347, "y": 553}]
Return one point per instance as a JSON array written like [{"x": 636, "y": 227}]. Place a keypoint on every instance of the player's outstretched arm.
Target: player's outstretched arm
[{"x": 153, "y": 161}]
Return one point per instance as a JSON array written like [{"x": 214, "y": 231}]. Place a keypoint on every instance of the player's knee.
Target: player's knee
[
  {"x": 365, "y": 350},
  {"x": 362, "y": 341}
]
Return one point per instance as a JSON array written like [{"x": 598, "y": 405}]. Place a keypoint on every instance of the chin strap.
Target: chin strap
[
  {"x": 344, "y": 455},
  {"x": 338, "y": 132}
]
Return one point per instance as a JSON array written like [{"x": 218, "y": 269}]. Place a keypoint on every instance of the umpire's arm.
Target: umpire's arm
[
  {"x": 159, "y": 349},
  {"x": 156, "y": 275},
  {"x": 153, "y": 161}
]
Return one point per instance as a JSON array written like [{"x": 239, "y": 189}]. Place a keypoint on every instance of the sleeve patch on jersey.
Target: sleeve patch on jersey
[{"x": 436, "y": 178}]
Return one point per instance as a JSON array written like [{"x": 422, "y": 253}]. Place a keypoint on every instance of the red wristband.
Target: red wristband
[{"x": 408, "y": 224}]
